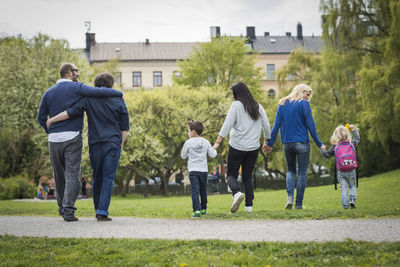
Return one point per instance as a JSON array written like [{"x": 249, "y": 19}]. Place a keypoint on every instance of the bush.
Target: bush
[{"x": 17, "y": 187}]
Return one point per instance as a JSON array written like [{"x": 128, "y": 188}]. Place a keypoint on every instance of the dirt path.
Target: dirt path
[{"x": 374, "y": 230}]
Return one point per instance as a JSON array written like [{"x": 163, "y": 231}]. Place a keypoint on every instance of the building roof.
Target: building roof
[
  {"x": 179, "y": 51},
  {"x": 286, "y": 44},
  {"x": 141, "y": 51}
]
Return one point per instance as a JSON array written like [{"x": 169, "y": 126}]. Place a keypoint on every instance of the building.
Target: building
[
  {"x": 151, "y": 64},
  {"x": 274, "y": 52},
  {"x": 145, "y": 64}
]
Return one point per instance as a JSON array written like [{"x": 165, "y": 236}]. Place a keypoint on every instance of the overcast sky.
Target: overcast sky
[{"x": 157, "y": 20}]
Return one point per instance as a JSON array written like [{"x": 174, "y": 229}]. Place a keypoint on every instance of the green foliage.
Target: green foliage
[
  {"x": 377, "y": 197},
  {"x": 222, "y": 62},
  {"x": 159, "y": 127},
  {"x": 18, "y": 152},
  {"x": 16, "y": 187},
  {"x": 27, "y": 69},
  {"x": 365, "y": 36},
  {"x": 32, "y": 251}
]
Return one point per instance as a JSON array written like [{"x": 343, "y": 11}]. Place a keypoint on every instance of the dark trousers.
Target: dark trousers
[
  {"x": 246, "y": 159},
  {"x": 198, "y": 184},
  {"x": 65, "y": 159},
  {"x": 104, "y": 158}
]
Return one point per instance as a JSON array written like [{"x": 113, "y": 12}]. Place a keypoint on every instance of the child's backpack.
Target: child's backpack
[{"x": 345, "y": 155}]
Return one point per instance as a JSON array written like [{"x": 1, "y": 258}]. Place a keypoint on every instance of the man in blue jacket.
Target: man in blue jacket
[
  {"x": 65, "y": 138},
  {"x": 108, "y": 122}
]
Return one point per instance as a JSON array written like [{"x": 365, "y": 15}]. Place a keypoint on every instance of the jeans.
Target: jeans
[
  {"x": 347, "y": 180},
  {"x": 299, "y": 152},
  {"x": 65, "y": 159},
  {"x": 246, "y": 159},
  {"x": 198, "y": 184},
  {"x": 104, "y": 158}
]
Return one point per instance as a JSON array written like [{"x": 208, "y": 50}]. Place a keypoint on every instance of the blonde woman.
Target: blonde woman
[
  {"x": 295, "y": 121},
  {"x": 343, "y": 147}
]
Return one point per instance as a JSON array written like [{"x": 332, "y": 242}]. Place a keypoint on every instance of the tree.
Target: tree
[
  {"x": 221, "y": 62},
  {"x": 366, "y": 34},
  {"x": 159, "y": 127}
]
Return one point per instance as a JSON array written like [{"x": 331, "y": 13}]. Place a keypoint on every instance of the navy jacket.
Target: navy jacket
[
  {"x": 107, "y": 117},
  {"x": 64, "y": 95}
]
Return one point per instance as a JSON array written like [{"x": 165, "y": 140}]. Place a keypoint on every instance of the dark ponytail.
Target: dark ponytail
[{"x": 242, "y": 93}]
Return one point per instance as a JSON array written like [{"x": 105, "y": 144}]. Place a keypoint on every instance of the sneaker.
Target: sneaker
[
  {"x": 196, "y": 214},
  {"x": 203, "y": 211},
  {"x": 289, "y": 203},
  {"x": 71, "y": 219},
  {"x": 299, "y": 207},
  {"x": 103, "y": 218},
  {"x": 352, "y": 204},
  {"x": 237, "y": 200},
  {"x": 248, "y": 209}
]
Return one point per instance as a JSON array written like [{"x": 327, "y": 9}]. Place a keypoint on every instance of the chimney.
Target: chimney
[
  {"x": 266, "y": 34},
  {"x": 147, "y": 42},
  {"x": 215, "y": 31},
  {"x": 299, "y": 31},
  {"x": 90, "y": 40},
  {"x": 288, "y": 34},
  {"x": 251, "y": 32}
]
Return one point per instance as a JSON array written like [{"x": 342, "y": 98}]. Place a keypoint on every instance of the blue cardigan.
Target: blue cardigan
[
  {"x": 64, "y": 95},
  {"x": 294, "y": 119}
]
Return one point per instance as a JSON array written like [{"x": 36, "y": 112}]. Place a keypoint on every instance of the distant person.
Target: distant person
[
  {"x": 295, "y": 121},
  {"x": 245, "y": 121},
  {"x": 196, "y": 149},
  {"x": 343, "y": 148},
  {"x": 108, "y": 122},
  {"x": 43, "y": 188},
  {"x": 65, "y": 138},
  {"x": 52, "y": 189},
  {"x": 84, "y": 191}
]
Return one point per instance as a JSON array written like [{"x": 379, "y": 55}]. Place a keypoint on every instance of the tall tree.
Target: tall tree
[
  {"x": 221, "y": 62},
  {"x": 159, "y": 127},
  {"x": 368, "y": 32}
]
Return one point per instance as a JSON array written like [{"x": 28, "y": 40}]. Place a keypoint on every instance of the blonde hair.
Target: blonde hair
[
  {"x": 340, "y": 134},
  {"x": 296, "y": 94}
]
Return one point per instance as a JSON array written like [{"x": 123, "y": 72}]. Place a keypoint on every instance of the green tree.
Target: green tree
[
  {"x": 159, "y": 127},
  {"x": 221, "y": 62},
  {"x": 365, "y": 34}
]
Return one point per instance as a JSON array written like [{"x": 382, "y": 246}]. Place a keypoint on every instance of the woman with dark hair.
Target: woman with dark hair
[{"x": 244, "y": 122}]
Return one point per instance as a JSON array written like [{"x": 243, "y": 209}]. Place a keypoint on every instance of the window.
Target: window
[
  {"x": 271, "y": 93},
  {"x": 270, "y": 71},
  {"x": 177, "y": 74},
  {"x": 292, "y": 76},
  {"x": 137, "y": 79},
  {"x": 157, "y": 78},
  {"x": 118, "y": 80}
]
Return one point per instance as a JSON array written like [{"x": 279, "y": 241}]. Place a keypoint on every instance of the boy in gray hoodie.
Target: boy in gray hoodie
[{"x": 196, "y": 149}]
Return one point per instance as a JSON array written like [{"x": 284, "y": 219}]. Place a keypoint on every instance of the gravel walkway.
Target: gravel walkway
[{"x": 374, "y": 230}]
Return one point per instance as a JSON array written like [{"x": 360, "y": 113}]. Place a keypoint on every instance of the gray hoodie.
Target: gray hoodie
[{"x": 197, "y": 148}]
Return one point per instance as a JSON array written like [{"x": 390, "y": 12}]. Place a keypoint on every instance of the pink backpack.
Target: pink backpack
[{"x": 345, "y": 155}]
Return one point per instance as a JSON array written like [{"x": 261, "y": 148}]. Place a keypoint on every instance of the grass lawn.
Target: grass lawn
[
  {"x": 30, "y": 251},
  {"x": 378, "y": 196}
]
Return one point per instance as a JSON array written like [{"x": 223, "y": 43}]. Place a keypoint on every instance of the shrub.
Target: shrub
[{"x": 17, "y": 187}]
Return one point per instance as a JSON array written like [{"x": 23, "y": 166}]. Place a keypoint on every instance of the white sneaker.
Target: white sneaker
[
  {"x": 237, "y": 200},
  {"x": 289, "y": 203},
  {"x": 248, "y": 209}
]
